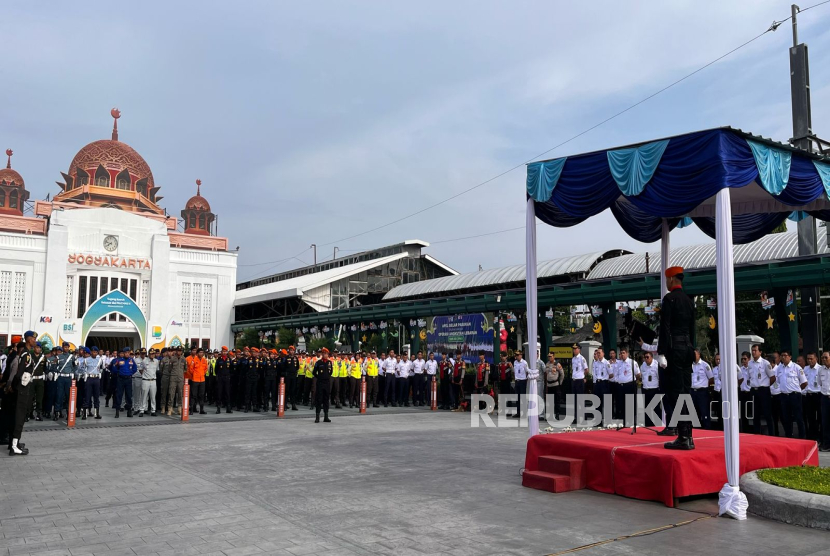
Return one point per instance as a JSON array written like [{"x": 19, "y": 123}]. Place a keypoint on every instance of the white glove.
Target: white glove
[
  {"x": 48, "y": 376},
  {"x": 661, "y": 360}
]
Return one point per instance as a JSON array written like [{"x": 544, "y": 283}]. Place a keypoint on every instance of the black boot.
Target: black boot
[
  {"x": 117, "y": 411},
  {"x": 97, "y": 413},
  {"x": 83, "y": 415},
  {"x": 129, "y": 413},
  {"x": 39, "y": 416},
  {"x": 680, "y": 443},
  {"x": 668, "y": 432},
  {"x": 317, "y": 418},
  {"x": 326, "y": 419}
]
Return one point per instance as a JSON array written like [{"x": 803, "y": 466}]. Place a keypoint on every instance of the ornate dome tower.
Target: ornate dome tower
[
  {"x": 13, "y": 194},
  {"x": 109, "y": 173},
  {"x": 196, "y": 214}
]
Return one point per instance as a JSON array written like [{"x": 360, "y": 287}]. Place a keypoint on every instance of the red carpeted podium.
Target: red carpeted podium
[{"x": 638, "y": 466}]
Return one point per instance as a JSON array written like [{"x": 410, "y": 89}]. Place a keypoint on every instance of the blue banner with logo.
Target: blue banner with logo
[{"x": 470, "y": 334}]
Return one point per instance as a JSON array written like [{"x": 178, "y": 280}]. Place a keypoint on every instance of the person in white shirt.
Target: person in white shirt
[
  {"x": 761, "y": 377},
  {"x": 702, "y": 379},
  {"x": 431, "y": 368},
  {"x": 650, "y": 372},
  {"x": 578, "y": 369},
  {"x": 624, "y": 376},
  {"x": 613, "y": 387},
  {"x": 716, "y": 401},
  {"x": 824, "y": 388},
  {"x": 744, "y": 394},
  {"x": 812, "y": 398},
  {"x": 520, "y": 371},
  {"x": 389, "y": 367},
  {"x": 790, "y": 376},
  {"x": 600, "y": 371},
  {"x": 418, "y": 376},
  {"x": 402, "y": 369}
]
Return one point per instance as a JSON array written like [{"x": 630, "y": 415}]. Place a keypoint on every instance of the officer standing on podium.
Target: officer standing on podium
[{"x": 677, "y": 317}]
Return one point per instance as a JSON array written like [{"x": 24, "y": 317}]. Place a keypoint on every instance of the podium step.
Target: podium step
[
  {"x": 572, "y": 467},
  {"x": 550, "y": 482}
]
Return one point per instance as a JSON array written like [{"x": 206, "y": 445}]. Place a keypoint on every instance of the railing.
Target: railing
[
  {"x": 212, "y": 243},
  {"x": 24, "y": 224}
]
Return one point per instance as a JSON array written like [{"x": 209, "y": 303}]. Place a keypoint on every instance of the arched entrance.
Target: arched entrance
[{"x": 113, "y": 335}]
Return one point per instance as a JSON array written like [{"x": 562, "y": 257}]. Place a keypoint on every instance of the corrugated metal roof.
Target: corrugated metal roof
[
  {"x": 769, "y": 248},
  {"x": 580, "y": 264}
]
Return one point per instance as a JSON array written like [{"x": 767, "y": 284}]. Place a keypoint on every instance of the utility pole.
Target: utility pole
[
  {"x": 314, "y": 246},
  {"x": 802, "y": 131}
]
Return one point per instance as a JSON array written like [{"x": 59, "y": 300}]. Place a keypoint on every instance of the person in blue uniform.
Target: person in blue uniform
[
  {"x": 125, "y": 367},
  {"x": 93, "y": 367},
  {"x": 65, "y": 370}
]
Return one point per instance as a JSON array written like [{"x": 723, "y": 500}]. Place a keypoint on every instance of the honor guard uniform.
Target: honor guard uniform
[
  {"x": 38, "y": 384},
  {"x": 18, "y": 388},
  {"x": 677, "y": 319},
  {"x": 323, "y": 371},
  {"x": 50, "y": 388}
]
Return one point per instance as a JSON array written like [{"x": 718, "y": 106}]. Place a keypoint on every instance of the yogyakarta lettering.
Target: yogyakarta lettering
[{"x": 114, "y": 262}]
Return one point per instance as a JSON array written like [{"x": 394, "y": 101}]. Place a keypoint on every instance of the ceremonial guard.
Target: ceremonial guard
[
  {"x": 677, "y": 319},
  {"x": 50, "y": 389},
  {"x": 323, "y": 371},
  {"x": 18, "y": 390},
  {"x": 38, "y": 384},
  {"x": 9, "y": 396}
]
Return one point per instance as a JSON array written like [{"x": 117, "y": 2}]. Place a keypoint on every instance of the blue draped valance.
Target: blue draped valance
[{"x": 670, "y": 178}]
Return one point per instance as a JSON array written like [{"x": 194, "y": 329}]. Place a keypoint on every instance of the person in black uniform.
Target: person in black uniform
[
  {"x": 223, "y": 381},
  {"x": 252, "y": 382},
  {"x": 8, "y": 397},
  {"x": 269, "y": 395},
  {"x": 322, "y": 374},
  {"x": 677, "y": 317},
  {"x": 290, "y": 367},
  {"x": 18, "y": 388}
]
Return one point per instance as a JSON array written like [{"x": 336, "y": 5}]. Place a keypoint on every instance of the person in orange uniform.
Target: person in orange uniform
[{"x": 198, "y": 371}]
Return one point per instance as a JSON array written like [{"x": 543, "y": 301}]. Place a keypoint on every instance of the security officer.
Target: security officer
[
  {"x": 290, "y": 369},
  {"x": 355, "y": 375},
  {"x": 125, "y": 369},
  {"x": 323, "y": 371},
  {"x": 270, "y": 394},
  {"x": 372, "y": 368},
  {"x": 64, "y": 373},
  {"x": 252, "y": 381},
  {"x": 37, "y": 387},
  {"x": 50, "y": 389},
  {"x": 223, "y": 381},
  {"x": 93, "y": 368},
  {"x": 18, "y": 390},
  {"x": 677, "y": 319}
]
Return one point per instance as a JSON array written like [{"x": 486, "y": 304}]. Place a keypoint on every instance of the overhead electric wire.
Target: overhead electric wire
[{"x": 773, "y": 27}]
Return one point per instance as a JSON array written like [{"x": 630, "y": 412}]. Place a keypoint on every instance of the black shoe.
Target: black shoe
[
  {"x": 680, "y": 443},
  {"x": 141, "y": 414},
  {"x": 246, "y": 410},
  {"x": 39, "y": 417},
  {"x": 153, "y": 414},
  {"x": 326, "y": 420},
  {"x": 385, "y": 405},
  {"x": 23, "y": 451},
  {"x": 338, "y": 406},
  {"x": 129, "y": 413},
  {"x": 97, "y": 413},
  {"x": 406, "y": 404},
  {"x": 824, "y": 449},
  {"x": 107, "y": 404},
  {"x": 116, "y": 413},
  {"x": 317, "y": 419},
  {"x": 229, "y": 410},
  {"x": 83, "y": 415},
  {"x": 375, "y": 405},
  {"x": 667, "y": 432},
  {"x": 293, "y": 407},
  {"x": 255, "y": 410},
  {"x": 218, "y": 410}
]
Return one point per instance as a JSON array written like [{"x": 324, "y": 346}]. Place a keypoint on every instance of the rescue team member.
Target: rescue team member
[
  {"x": 677, "y": 320},
  {"x": 322, "y": 372},
  {"x": 198, "y": 373},
  {"x": 125, "y": 368},
  {"x": 223, "y": 381}
]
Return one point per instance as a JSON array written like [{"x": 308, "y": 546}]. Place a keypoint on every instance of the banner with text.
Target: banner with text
[{"x": 469, "y": 334}]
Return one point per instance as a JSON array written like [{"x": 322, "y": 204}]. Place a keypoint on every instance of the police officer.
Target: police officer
[
  {"x": 37, "y": 387},
  {"x": 677, "y": 318},
  {"x": 290, "y": 368},
  {"x": 50, "y": 389},
  {"x": 18, "y": 390},
  {"x": 64, "y": 379},
  {"x": 323, "y": 371}
]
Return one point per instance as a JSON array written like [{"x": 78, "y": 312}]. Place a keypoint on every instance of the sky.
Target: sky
[{"x": 310, "y": 122}]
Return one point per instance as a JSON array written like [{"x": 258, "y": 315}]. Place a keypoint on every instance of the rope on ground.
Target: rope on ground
[{"x": 633, "y": 535}]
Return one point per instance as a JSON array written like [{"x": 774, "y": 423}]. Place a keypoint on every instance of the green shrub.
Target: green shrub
[{"x": 807, "y": 479}]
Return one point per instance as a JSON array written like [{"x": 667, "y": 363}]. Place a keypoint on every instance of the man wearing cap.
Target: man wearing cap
[
  {"x": 50, "y": 389},
  {"x": 223, "y": 381},
  {"x": 252, "y": 381},
  {"x": 198, "y": 372},
  {"x": 677, "y": 319},
  {"x": 64, "y": 380},
  {"x": 149, "y": 369},
  {"x": 290, "y": 370},
  {"x": 38, "y": 378},
  {"x": 93, "y": 366},
  {"x": 125, "y": 367},
  {"x": 270, "y": 393},
  {"x": 322, "y": 372},
  {"x": 18, "y": 390}
]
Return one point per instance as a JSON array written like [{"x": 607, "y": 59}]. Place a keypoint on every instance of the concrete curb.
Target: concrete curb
[{"x": 786, "y": 505}]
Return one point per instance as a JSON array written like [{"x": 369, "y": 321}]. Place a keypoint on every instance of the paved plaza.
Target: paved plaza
[{"x": 409, "y": 482}]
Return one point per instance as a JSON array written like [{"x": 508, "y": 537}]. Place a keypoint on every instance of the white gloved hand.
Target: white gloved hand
[{"x": 661, "y": 360}]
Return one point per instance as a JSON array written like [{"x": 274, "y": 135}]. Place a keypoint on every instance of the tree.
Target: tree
[
  {"x": 320, "y": 343},
  {"x": 250, "y": 338},
  {"x": 286, "y": 337}
]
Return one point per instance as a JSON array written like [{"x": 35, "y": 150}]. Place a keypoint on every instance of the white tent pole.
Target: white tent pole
[
  {"x": 731, "y": 500},
  {"x": 664, "y": 256},
  {"x": 532, "y": 317}
]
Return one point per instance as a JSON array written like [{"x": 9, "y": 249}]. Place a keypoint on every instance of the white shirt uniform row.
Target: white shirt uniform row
[
  {"x": 789, "y": 378},
  {"x": 578, "y": 367},
  {"x": 701, "y": 374},
  {"x": 651, "y": 375},
  {"x": 601, "y": 370}
]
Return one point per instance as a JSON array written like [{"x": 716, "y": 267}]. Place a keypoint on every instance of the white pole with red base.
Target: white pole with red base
[
  {"x": 186, "y": 401},
  {"x": 433, "y": 394},
  {"x": 281, "y": 399},
  {"x": 73, "y": 403},
  {"x": 363, "y": 394}
]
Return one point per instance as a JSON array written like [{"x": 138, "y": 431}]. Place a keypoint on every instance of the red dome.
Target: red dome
[
  {"x": 197, "y": 202},
  {"x": 10, "y": 177},
  {"x": 112, "y": 155}
]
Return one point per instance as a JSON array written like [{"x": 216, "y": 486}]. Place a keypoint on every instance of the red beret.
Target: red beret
[{"x": 674, "y": 271}]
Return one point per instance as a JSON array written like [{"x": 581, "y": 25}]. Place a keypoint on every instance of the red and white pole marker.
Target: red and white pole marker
[
  {"x": 363, "y": 394},
  {"x": 433, "y": 394},
  {"x": 281, "y": 399},
  {"x": 73, "y": 403},
  {"x": 186, "y": 401}
]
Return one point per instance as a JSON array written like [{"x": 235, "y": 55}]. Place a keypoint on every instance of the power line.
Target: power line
[{"x": 772, "y": 27}]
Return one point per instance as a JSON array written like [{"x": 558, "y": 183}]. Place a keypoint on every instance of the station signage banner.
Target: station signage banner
[
  {"x": 109, "y": 261},
  {"x": 469, "y": 334}
]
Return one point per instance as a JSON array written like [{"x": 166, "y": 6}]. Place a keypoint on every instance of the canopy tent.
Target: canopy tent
[{"x": 736, "y": 187}]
